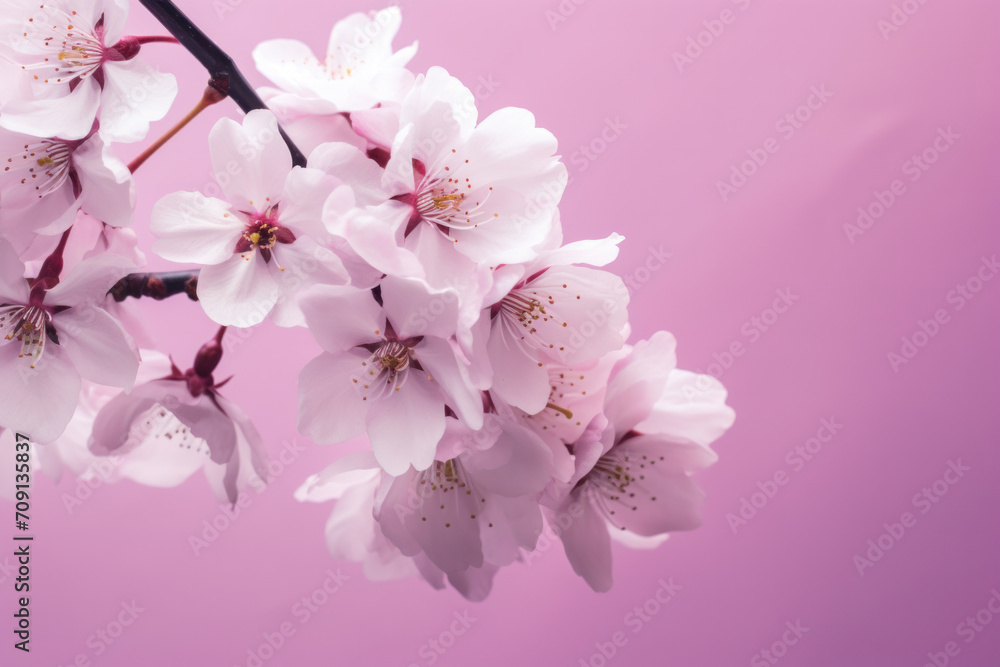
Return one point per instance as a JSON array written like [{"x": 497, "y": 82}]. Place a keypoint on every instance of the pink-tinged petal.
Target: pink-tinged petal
[
  {"x": 245, "y": 467},
  {"x": 593, "y": 252},
  {"x": 108, "y": 189},
  {"x": 425, "y": 107},
  {"x": 369, "y": 34},
  {"x": 438, "y": 358},
  {"x": 13, "y": 286},
  {"x": 303, "y": 198},
  {"x": 638, "y": 542},
  {"x": 596, "y": 441},
  {"x": 519, "y": 229},
  {"x": 289, "y": 64},
  {"x": 516, "y": 524},
  {"x": 379, "y": 126},
  {"x": 398, "y": 177},
  {"x": 692, "y": 408},
  {"x": 341, "y": 317},
  {"x": 312, "y": 131},
  {"x": 638, "y": 381},
  {"x": 40, "y": 401},
  {"x": 373, "y": 233},
  {"x": 397, "y": 500},
  {"x": 585, "y": 312},
  {"x": 587, "y": 543},
  {"x": 518, "y": 464},
  {"x": 88, "y": 282},
  {"x": 507, "y": 145},
  {"x": 207, "y": 422},
  {"x": 331, "y": 409},
  {"x": 353, "y": 168},
  {"x": 115, "y": 15},
  {"x": 417, "y": 309},
  {"x": 335, "y": 480},
  {"x": 165, "y": 452},
  {"x": 303, "y": 264},
  {"x": 68, "y": 117},
  {"x": 191, "y": 227},
  {"x": 240, "y": 292},
  {"x": 405, "y": 427},
  {"x": 98, "y": 346},
  {"x": 443, "y": 524},
  {"x": 135, "y": 94},
  {"x": 475, "y": 583},
  {"x": 519, "y": 379},
  {"x": 666, "y": 498},
  {"x": 118, "y": 428},
  {"x": 261, "y": 177}
]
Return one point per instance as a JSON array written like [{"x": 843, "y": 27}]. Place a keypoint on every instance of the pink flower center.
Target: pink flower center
[
  {"x": 616, "y": 487},
  {"x": 385, "y": 371},
  {"x": 446, "y": 199},
  {"x": 263, "y": 232}
]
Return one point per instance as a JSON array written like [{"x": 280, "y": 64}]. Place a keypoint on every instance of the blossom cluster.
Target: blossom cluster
[{"x": 483, "y": 358}]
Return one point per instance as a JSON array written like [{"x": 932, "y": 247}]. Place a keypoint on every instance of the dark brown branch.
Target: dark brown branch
[
  {"x": 225, "y": 76},
  {"x": 158, "y": 286}
]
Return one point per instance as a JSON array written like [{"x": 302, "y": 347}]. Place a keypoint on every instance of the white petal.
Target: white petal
[
  {"x": 406, "y": 426},
  {"x": 342, "y": 317},
  {"x": 69, "y": 117},
  {"x": 240, "y": 292},
  {"x": 98, "y": 346},
  {"x": 261, "y": 154},
  {"x": 191, "y": 227},
  {"x": 40, "y": 401},
  {"x": 135, "y": 94},
  {"x": 108, "y": 189},
  {"x": 519, "y": 379},
  {"x": 331, "y": 409}
]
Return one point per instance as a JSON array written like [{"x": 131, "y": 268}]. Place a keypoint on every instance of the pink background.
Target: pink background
[{"x": 656, "y": 184}]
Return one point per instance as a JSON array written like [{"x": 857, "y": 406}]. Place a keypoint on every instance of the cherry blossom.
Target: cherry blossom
[
  {"x": 80, "y": 68},
  {"x": 258, "y": 245},
  {"x": 633, "y": 468},
  {"x": 53, "y": 332},
  {"x": 360, "y": 69},
  {"x": 45, "y": 182},
  {"x": 167, "y": 429},
  {"x": 383, "y": 372}
]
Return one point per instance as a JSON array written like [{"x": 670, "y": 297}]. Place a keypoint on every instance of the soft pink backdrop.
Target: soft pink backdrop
[{"x": 656, "y": 184}]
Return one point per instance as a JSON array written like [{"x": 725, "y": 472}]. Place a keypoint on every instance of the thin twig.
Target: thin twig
[{"x": 225, "y": 76}]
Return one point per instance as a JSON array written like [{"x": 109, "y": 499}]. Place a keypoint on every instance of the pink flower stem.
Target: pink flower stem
[
  {"x": 153, "y": 39},
  {"x": 213, "y": 95}
]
